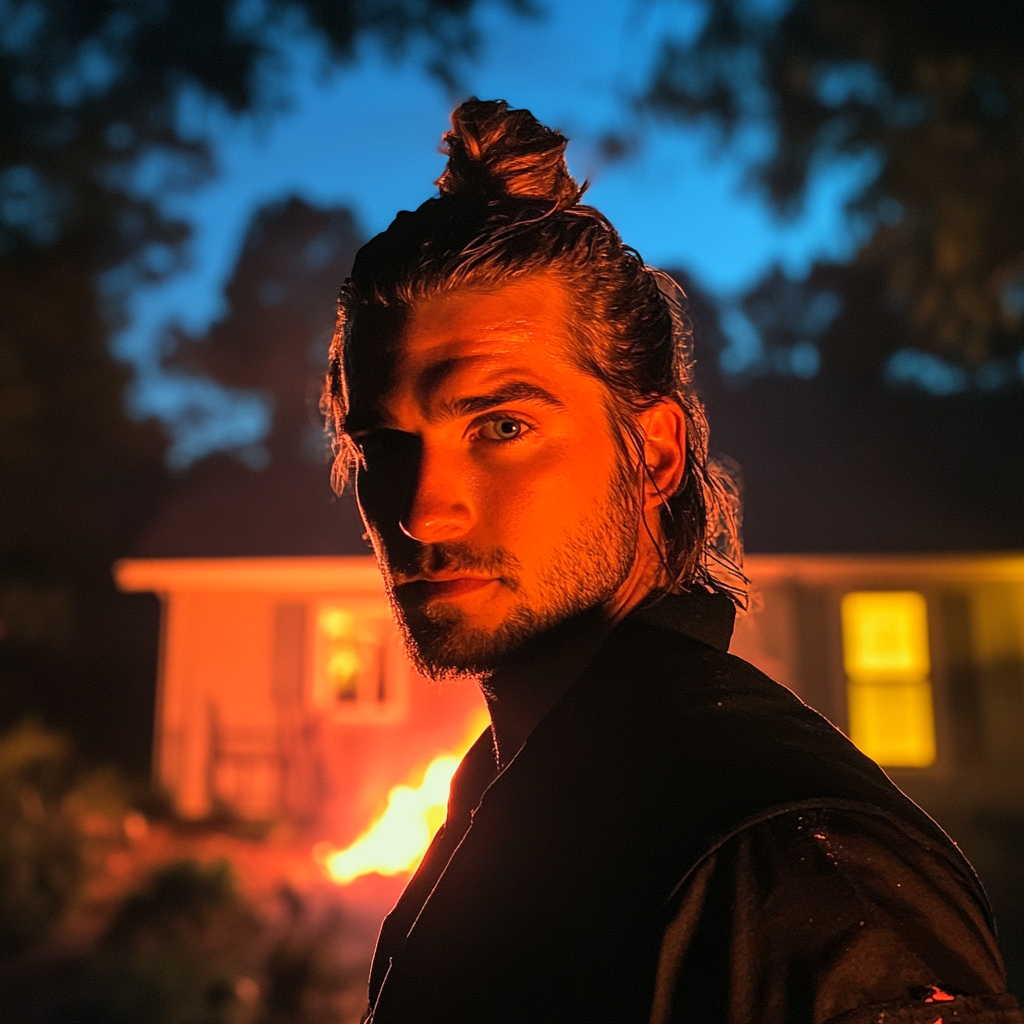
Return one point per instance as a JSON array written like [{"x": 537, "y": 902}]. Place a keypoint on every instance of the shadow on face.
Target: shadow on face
[
  {"x": 386, "y": 487},
  {"x": 386, "y": 482}
]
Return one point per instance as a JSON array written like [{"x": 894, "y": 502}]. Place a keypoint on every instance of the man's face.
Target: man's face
[{"x": 493, "y": 487}]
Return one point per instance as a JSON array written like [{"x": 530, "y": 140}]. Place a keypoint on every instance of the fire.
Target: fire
[{"x": 397, "y": 841}]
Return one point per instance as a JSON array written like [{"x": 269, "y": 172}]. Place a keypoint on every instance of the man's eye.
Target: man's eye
[{"x": 504, "y": 428}]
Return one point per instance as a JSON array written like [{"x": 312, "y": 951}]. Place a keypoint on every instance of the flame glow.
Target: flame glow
[
  {"x": 396, "y": 842},
  {"x": 398, "y": 839}
]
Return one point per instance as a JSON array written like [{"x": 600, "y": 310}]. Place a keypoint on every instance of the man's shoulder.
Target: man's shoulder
[
  {"x": 837, "y": 911},
  {"x": 678, "y": 674},
  {"x": 869, "y": 858},
  {"x": 711, "y": 736}
]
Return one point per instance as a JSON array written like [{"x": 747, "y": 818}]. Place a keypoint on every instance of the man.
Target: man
[{"x": 651, "y": 829}]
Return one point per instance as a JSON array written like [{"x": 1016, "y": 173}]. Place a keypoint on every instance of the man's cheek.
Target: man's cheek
[
  {"x": 386, "y": 482},
  {"x": 393, "y": 548},
  {"x": 536, "y": 492},
  {"x": 537, "y": 508},
  {"x": 379, "y": 508}
]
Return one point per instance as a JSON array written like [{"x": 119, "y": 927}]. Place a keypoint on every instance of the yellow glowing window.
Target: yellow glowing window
[
  {"x": 356, "y": 675},
  {"x": 888, "y": 670}
]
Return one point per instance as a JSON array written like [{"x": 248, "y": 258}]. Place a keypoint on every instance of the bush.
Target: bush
[{"x": 42, "y": 861}]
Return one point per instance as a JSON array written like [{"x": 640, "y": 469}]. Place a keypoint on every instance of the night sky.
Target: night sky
[{"x": 367, "y": 136}]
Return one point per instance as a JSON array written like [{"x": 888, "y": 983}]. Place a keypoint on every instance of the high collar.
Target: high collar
[{"x": 705, "y": 615}]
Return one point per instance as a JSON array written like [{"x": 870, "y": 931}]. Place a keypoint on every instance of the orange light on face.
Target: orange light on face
[{"x": 508, "y": 449}]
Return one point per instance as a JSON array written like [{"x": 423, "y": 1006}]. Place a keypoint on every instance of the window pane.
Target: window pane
[
  {"x": 885, "y": 633},
  {"x": 350, "y": 658},
  {"x": 885, "y": 653},
  {"x": 359, "y": 673},
  {"x": 893, "y": 723}
]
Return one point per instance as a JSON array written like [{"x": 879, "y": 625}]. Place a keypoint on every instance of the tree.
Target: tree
[
  {"x": 835, "y": 459},
  {"x": 92, "y": 96},
  {"x": 933, "y": 92},
  {"x": 276, "y": 498},
  {"x": 281, "y": 301}
]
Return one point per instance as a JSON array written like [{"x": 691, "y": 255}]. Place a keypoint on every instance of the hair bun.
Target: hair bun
[{"x": 497, "y": 152}]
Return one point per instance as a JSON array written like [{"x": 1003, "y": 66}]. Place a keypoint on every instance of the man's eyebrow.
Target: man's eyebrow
[
  {"x": 513, "y": 391},
  {"x": 358, "y": 426}
]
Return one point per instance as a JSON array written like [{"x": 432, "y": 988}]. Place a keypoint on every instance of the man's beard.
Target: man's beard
[{"x": 582, "y": 573}]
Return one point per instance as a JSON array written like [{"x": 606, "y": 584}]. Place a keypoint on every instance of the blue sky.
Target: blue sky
[{"x": 367, "y": 136}]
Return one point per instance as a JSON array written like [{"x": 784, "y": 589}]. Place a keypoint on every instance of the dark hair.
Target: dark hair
[{"x": 509, "y": 208}]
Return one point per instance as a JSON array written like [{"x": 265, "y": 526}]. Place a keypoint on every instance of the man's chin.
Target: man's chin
[{"x": 444, "y": 644}]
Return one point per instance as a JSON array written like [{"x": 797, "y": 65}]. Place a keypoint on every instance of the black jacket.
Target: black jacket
[{"x": 660, "y": 849}]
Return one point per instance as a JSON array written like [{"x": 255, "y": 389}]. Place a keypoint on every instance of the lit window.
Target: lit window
[
  {"x": 358, "y": 674},
  {"x": 885, "y": 654}
]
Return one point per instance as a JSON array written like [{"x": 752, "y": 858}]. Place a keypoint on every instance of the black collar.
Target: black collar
[{"x": 705, "y": 615}]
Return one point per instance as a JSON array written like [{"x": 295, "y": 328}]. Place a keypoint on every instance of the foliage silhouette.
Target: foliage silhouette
[
  {"x": 56, "y": 819},
  {"x": 934, "y": 93},
  {"x": 94, "y": 133}
]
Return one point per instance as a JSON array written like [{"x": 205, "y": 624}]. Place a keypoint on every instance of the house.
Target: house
[
  {"x": 285, "y": 690},
  {"x": 919, "y": 658}
]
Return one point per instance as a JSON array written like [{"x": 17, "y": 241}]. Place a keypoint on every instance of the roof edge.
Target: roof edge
[{"x": 315, "y": 573}]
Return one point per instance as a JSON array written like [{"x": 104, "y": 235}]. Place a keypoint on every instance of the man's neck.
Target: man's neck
[{"x": 528, "y": 684}]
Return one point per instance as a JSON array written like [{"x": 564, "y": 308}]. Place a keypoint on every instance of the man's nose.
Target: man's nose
[{"x": 441, "y": 508}]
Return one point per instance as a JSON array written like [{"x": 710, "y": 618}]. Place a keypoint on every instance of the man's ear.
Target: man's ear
[{"x": 664, "y": 431}]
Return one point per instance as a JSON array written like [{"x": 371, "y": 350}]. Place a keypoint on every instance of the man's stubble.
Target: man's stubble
[{"x": 583, "y": 572}]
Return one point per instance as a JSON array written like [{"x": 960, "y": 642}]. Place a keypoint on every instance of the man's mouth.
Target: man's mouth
[{"x": 426, "y": 589}]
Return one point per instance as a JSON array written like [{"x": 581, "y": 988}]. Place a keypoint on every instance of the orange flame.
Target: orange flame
[{"x": 396, "y": 842}]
